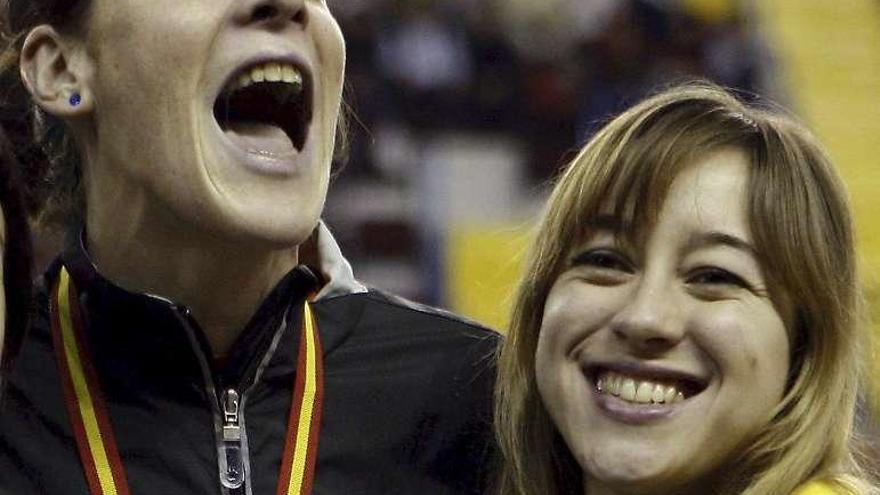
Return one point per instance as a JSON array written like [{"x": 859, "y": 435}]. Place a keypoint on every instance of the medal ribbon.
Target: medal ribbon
[{"x": 95, "y": 441}]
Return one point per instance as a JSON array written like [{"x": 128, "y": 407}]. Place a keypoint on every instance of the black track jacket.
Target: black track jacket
[{"x": 407, "y": 404}]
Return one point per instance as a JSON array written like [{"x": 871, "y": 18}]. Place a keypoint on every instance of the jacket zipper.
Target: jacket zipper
[
  {"x": 228, "y": 408},
  {"x": 231, "y": 458},
  {"x": 227, "y": 417}
]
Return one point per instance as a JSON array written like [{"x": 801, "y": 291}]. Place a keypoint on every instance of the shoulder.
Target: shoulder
[
  {"x": 406, "y": 308},
  {"x": 382, "y": 312},
  {"x": 408, "y": 335}
]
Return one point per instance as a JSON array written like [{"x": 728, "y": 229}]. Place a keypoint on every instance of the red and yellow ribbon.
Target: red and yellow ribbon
[
  {"x": 85, "y": 405},
  {"x": 92, "y": 428},
  {"x": 304, "y": 423}
]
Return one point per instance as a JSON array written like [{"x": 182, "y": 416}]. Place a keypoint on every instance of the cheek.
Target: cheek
[
  {"x": 562, "y": 321},
  {"x": 573, "y": 314},
  {"x": 749, "y": 345},
  {"x": 331, "y": 48},
  {"x": 575, "y": 310}
]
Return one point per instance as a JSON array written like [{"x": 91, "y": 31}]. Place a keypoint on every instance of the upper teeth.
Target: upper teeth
[
  {"x": 269, "y": 72},
  {"x": 637, "y": 390}
]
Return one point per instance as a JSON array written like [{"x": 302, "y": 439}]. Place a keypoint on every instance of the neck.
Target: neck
[{"x": 221, "y": 281}]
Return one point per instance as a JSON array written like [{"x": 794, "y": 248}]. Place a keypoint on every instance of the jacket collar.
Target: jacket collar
[
  {"x": 322, "y": 254},
  {"x": 119, "y": 320}
]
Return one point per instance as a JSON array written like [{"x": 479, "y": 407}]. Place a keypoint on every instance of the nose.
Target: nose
[
  {"x": 651, "y": 321},
  {"x": 275, "y": 14}
]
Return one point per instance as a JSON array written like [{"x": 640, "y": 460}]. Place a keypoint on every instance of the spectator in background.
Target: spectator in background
[
  {"x": 544, "y": 73},
  {"x": 425, "y": 57}
]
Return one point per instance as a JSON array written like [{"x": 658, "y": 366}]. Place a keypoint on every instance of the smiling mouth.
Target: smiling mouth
[
  {"x": 644, "y": 390},
  {"x": 267, "y": 108}
]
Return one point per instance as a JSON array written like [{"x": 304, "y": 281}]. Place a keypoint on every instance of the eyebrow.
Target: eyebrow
[
  {"x": 702, "y": 240},
  {"x": 716, "y": 238}
]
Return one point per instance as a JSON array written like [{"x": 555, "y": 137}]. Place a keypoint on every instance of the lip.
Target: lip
[
  {"x": 628, "y": 413},
  {"x": 264, "y": 164}
]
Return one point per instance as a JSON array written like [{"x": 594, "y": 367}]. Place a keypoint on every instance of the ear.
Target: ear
[{"x": 56, "y": 71}]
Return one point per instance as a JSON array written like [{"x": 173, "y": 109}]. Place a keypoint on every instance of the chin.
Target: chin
[
  {"x": 273, "y": 232},
  {"x": 644, "y": 474},
  {"x": 276, "y": 210}
]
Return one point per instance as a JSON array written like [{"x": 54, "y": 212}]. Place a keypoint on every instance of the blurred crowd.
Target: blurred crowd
[
  {"x": 545, "y": 73},
  {"x": 468, "y": 107}
]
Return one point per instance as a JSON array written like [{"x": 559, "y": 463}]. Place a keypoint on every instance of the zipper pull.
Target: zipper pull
[
  {"x": 231, "y": 429},
  {"x": 231, "y": 462}
]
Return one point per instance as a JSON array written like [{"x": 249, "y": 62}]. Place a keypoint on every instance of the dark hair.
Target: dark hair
[
  {"x": 17, "y": 256},
  {"x": 42, "y": 143}
]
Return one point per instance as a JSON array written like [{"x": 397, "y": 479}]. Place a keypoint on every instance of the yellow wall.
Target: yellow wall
[
  {"x": 484, "y": 263},
  {"x": 829, "y": 55}
]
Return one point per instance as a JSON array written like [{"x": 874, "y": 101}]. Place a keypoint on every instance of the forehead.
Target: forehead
[{"x": 710, "y": 191}]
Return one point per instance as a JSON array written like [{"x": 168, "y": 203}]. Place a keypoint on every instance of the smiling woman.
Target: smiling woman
[{"x": 689, "y": 318}]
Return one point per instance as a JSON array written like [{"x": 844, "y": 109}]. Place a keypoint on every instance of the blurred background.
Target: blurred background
[{"x": 462, "y": 111}]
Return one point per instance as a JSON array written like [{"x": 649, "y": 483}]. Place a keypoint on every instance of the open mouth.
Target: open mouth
[
  {"x": 645, "y": 389},
  {"x": 267, "y": 108}
]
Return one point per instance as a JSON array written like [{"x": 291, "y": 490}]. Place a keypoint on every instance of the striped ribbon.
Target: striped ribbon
[{"x": 92, "y": 428}]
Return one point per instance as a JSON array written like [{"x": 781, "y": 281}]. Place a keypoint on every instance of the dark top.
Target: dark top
[
  {"x": 407, "y": 404},
  {"x": 17, "y": 253}
]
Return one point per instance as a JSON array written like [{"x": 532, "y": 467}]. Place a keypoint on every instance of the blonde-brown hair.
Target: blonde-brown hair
[{"x": 801, "y": 224}]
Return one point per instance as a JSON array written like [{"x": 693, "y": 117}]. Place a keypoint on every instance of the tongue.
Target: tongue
[{"x": 259, "y": 138}]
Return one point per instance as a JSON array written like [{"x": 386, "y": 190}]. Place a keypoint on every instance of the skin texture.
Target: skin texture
[
  {"x": 174, "y": 207},
  {"x": 683, "y": 299}
]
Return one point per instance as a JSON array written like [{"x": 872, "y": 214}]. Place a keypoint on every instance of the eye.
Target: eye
[
  {"x": 714, "y": 277},
  {"x": 602, "y": 267},
  {"x": 602, "y": 259}
]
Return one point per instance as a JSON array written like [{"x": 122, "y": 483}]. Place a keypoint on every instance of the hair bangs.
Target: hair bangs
[{"x": 626, "y": 171}]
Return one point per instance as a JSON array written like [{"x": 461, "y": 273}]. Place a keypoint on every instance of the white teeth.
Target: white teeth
[
  {"x": 637, "y": 390},
  {"x": 273, "y": 72},
  {"x": 270, "y": 72},
  {"x": 644, "y": 392},
  {"x": 290, "y": 75},
  {"x": 244, "y": 80},
  {"x": 628, "y": 390},
  {"x": 658, "y": 394}
]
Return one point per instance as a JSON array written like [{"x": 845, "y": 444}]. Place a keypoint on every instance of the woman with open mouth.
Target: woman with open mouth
[
  {"x": 201, "y": 332},
  {"x": 689, "y": 319}
]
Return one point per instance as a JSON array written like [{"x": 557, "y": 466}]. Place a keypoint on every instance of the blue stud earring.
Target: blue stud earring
[{"x": 75, "y": 99}]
